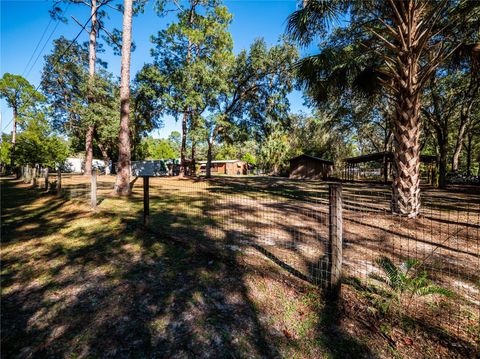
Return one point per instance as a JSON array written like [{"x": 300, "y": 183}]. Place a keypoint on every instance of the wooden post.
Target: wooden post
[
  {"x": 335, "y": 240},
  {"x": 26, "y": 179},
  {"x": 34, "y": 176},
  {"x": 59, "y": 182},
  {"x": 385, "y": 168},
  {"x": 93, "y": 189},
  {"x": 46, "y": 179},
  {"x": 146, "y": 201}
]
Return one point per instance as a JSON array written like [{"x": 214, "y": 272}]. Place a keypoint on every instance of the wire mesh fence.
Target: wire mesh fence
[
  {"x": 427, "y": 266},
  {"x": 388, "y": 257}
]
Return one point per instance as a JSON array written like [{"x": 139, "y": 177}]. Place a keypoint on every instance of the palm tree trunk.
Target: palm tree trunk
[
  {"x": 92, "y": 58},
  {"x": 122, "y": 185},
  {"x": 406, "y": 130}
]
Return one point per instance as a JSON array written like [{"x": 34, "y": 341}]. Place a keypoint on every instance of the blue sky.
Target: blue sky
[{"x": 24, "y": 21}]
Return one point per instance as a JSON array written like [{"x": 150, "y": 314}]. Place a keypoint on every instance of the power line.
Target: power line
[
  {"x": 36, "y": 47},
  {"x": 60, "y": 57},
  {"x": 46, "y": 42}
]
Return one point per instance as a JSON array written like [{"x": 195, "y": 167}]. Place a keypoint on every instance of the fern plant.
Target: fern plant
[{"x": 404, "y": 282}]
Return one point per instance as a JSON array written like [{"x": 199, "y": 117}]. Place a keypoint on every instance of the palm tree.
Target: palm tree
[
  {"x": 408, "y": 38},
  {"x": 122, "y": 184}
]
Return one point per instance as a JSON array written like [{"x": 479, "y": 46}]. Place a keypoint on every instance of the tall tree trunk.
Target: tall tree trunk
[
  {"x": 92, "y": 58},
  {"x": 193, "y": 170},
  {"x": 89, "y": 150},
  {"x": 406, "y": 48},
  {"x": 208, "y": 167},
  {"x": 442, "y": 163},
  {"x": 183, "y": 147},
  {"x": 465, "y": 115},
  {"x": 406, "y": 154},
  {"x": 14, "y": 137},
  {"x": 122, "y": 185},
  {"x": 459, "y": 143},
  {"x": 106, "y": 158},
  {"x": 469, "y": 153},
  {"x": 406, "y": 84}
]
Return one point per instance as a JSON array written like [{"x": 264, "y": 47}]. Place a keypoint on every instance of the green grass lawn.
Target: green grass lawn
[{"x": 78, "y": 283}]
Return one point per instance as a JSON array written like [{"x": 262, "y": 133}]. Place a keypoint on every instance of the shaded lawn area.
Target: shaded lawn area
[
  {"x": 88, "y": 284},
  {"x": 77, "y": 283}
]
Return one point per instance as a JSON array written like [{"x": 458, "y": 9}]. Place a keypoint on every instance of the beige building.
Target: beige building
[{"x": 226, "y": 167}]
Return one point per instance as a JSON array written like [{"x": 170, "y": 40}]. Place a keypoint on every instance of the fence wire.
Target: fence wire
[{"x": 287, "y": 221}]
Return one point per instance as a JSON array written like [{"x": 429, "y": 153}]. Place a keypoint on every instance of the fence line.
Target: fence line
[{"x": 323, "y": 232}]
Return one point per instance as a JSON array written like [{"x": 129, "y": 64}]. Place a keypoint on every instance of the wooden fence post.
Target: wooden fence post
[
  {"x": 146, "y": 201},
  {"x": 46, "y": 179},
  {"x": 34, "y": 176},
  {"x": 27, "y": 174},
  {"x": 93, "y": 189},
  {"x": 59, "y": 182},
  {"x": 335, "y": 240}
]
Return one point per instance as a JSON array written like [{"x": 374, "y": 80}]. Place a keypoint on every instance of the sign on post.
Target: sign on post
[{"x": 147, "y": 169}]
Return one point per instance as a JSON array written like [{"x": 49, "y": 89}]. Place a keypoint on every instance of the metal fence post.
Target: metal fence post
[
  {"x": 146, "y": 201},
  {"x": 93, "y": 190},
  {"x": 335, "y": 240},
  {"x": 59, "y": 182}
]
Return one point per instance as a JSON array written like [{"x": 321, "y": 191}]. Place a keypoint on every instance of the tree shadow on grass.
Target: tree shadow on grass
[
  {"x": 334, "y": 340},
  {"x": 118, "y": 291}
]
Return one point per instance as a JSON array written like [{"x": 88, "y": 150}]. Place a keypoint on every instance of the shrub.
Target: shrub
[{"x": 401, "y": 284}]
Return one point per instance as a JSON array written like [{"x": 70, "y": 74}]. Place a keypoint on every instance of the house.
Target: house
[
  {"x": 309, "y": 167},
  {"x": 226, "y": 167},
  {"x": 77, "y": 165}
]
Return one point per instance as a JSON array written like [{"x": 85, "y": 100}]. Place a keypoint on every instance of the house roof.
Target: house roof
[
  {"x": 312, "y": 158},
  {"x": 378, "y": 156}
]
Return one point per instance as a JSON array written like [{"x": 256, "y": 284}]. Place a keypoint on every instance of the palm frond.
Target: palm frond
[
  {"x": 314, "y": 18},
  {"x": 379, "y": 278},
  {"x": 390, "y": 269},
  {"x": 433, "y": 289},
  {"x": 409, "y": 264},
  {"x": 369, "y": 81}
]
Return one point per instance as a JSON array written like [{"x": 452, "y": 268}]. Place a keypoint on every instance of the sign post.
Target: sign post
[
  {"x": 147, "y": 169},
  {"x": 146, "y": 201}
]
